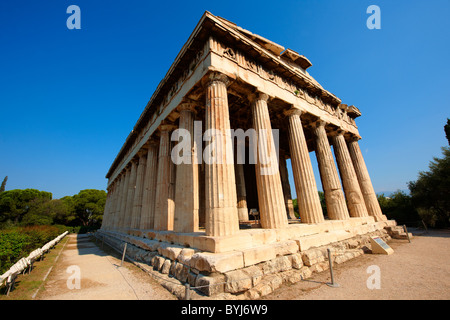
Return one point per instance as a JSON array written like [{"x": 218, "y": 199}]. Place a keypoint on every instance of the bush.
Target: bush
[{"x": 18, "y": 242}]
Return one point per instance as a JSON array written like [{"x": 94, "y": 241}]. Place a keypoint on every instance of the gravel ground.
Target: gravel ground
[
  {"x": 101, "y": 276},
  {"x": 419, "y": 270}
]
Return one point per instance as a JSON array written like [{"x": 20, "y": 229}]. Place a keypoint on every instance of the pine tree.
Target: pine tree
[{"x": 2, "y": 187}]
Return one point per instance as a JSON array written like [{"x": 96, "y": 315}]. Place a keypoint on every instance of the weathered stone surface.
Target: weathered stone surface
[
  {"x": 166, "y": 266},
  {"x": 296, "y": 260},
  {"x": 210, "y": 285},
  {"x": 258, "y": 254},
  {"x": 255, "y": 273},
  {"x": 186, "y": 255},
  {"x": 158, "y": 262},
  {"x": 276, "y": 265},
  {"x": 237, "y": 281},
  {"x": 313, "y": 256},
  {"x": 181, "y": 272},
  {"x": 217, "y": 262},
  {"x": 291, "y": 276}
]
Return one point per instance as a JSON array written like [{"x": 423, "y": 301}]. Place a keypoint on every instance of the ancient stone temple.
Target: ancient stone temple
[{"x": 240, "y": 106}]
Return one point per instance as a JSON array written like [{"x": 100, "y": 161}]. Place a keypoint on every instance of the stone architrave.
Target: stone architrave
[
  {"x": 139, "y": 191},
  {"x": 355, "y": 200},
  {"x": 305, "y": 184},
  {"x": 370, "y": 198},
  {"x": 187, "y": 187},
  {"x": 334, "y": 197},
  {"x": 221, "y": 217},
  {"x": 272, "y": 208},
  {"x": 164, "y": 211},
  {"x": 130, "y": 195},
  {"x": 149, "y": 193}
]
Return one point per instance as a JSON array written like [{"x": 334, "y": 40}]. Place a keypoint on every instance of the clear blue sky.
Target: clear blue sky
[{"x": 69, "y": 98}]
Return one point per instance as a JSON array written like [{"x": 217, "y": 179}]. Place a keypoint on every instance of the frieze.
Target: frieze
[{"x": 250, "y": 64}]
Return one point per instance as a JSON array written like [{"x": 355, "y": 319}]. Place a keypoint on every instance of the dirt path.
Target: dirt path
[
  {"x": 101, "y": 276},
  {"x": 416, "y": 270}
]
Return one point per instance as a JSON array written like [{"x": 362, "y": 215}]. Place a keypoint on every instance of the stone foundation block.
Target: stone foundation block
[
  {"x": 217, "y": 262},
  {"x": 210, "y": 285},
  {"x": 237, "y": 281},
  {"x": 258, "y": 254}
]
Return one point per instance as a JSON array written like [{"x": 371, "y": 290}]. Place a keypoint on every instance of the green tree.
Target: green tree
[
  {"x": 399, "y": 207},
  {"x": 431, "y": 191},
  {"x": 15, "y": 204},
  {"x": 88, "y": 206},
  {"x": 3, "y": 186},
  {"x": 447, "y": 130}
]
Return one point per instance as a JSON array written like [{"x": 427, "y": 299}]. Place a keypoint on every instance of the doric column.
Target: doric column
[
  {"x": 121, "y": 200},
  {"x": 164, "y": 210},
  {"x": 149, "y": 195},
  {"x": 334, "y": 197},
  {"x": 284, "y": 175},
  {"x": 130, "y": 195},
  {"x": 370, "y": 198},
  {"x": 240, "y": 192},
  {"x": 221, "y": 216},
  {"x": 355, "y": 200},
  {"x": 107, "y": 209},
  {"x": 138, "y": 193},
  {"x": 272, "y": 208},
  {"x": 305, "y": 184},
  {"x": 118, "y": 199},
  {"x": 187, "y": 192},
  {"x": 123, "y": 203},
  {"x": 112, "y": 214}
]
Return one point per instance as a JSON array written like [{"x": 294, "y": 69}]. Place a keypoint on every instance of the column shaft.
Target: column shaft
[
  {"x": 221, "y": 216},
  {"x": 334, "y": 197},
  {"x": 137, "y": 201},
  {"x": 130, "y": 195},
  {"x": 187, "y": 191},
  {"x": 284, "y": 175},
  {"x": 272, "y": 208},
  {"x": 240, "y": 192},
  {"x": 118, "y": 199},
  {"x": 164, "y": 204},
  {"x": 370, "y": 198},
  {"x": 305, "y": 184},
  {"x": 149, "y": 195},
  {"x": 355, "y": 200},
  {"x": 123, "y": 204}
]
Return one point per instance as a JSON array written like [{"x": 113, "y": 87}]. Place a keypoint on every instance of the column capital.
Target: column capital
[
  {"x": 319, "y": 123},
  {"x": 187, "y": 106},
  {"x": 217, "y": 77},
  {"x": 166, "y": 127},
  {"x": 337, "y": 132},
  {"x": 354, "y": 137},
  {"x": 294, "y": 112},
  {"x": 259, "y": 95}
]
